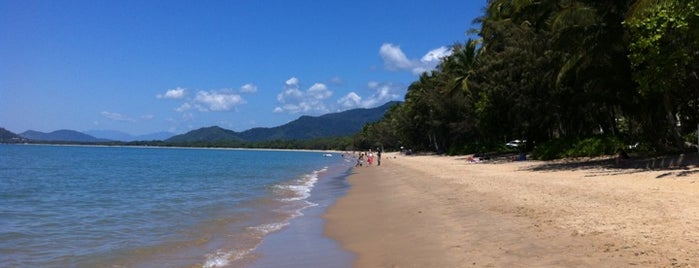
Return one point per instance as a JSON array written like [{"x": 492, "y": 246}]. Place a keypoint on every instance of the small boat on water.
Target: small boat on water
[{"x": 327, "y": 155}]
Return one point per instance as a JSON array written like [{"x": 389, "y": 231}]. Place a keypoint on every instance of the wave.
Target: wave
[
  {"x": 292, "y": 196},
  {"x": 223, "y": 259},
  {"x": 299, "y": 189}
]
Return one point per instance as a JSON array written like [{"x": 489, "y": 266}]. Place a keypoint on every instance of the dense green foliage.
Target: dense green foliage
[
  {"x": 593, "y": 146},
  {"x": 329, "y": 143},
  {"x": 573, "y": 78},
  {"x": 7, "y": 136}
]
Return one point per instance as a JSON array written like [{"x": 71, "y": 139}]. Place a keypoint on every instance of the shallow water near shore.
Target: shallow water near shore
[
  {"x": 303, "y": 243},
  {"x": 79, "y": 206}
]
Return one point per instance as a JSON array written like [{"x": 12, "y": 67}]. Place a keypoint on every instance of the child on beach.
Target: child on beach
[{"x": 360, "y": 160}]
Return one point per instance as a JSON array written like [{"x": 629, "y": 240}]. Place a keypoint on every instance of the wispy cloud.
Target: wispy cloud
[
  {"x": 395, "y": 59},
  {"x": 176, "y": 93},
  {"x": 336, "y": 80},
  {"x": 184, "y": 107},
  {"x": 123, "y": 118},
  {"x": 248, "y": 88},
  {"x": 116, "y": 117}
]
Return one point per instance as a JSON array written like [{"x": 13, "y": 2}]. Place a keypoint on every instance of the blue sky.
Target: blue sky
[{"x": 147, "y": 66}]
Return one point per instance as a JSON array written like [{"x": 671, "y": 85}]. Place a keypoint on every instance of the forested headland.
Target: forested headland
[{"x": 571, "y": 77}]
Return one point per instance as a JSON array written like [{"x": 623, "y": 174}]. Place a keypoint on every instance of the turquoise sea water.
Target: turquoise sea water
[{"x": 77, "y": 206}]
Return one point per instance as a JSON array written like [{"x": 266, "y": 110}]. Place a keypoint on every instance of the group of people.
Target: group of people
[{"x": 370, "y": 158}]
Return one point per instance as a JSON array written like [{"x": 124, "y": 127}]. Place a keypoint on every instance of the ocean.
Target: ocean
[{"x": 91, "y": 206}]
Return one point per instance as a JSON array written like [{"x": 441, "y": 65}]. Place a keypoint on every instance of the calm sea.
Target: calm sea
[{"x": 78, "y": 206}]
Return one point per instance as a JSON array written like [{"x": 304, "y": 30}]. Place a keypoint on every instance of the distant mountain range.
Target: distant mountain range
[
  {"x": 305, "y": 127},
  {"x": 60, "y": 135},
  {"x": 121, "y": 136},
  {"x": 64, "y": 135}
]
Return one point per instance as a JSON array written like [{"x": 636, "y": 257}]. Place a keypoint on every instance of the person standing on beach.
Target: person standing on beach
[
  {"x": 360, "y": 160},
  {"x": 378, "y": 157}
]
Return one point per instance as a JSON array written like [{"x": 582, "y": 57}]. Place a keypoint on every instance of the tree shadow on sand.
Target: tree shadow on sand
[{"x": 678, "y": 165}]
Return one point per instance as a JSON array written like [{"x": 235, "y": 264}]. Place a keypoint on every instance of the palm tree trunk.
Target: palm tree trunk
[{"x": 672, "y": 121}]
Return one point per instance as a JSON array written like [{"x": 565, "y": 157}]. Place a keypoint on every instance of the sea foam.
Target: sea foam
[{"x": 299, "y": 189}]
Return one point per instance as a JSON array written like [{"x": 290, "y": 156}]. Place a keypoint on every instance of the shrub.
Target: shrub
[
  {"x": 589, "y": 147},
  {"x": 553, "y": 149}
]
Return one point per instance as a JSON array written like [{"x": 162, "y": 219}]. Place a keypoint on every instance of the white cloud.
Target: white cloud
[
  {"x": 349, "y": 101},
  {"x": 293, "y": 100},
  {"x": 388, "y": 92},
  {"x": 290, "y": 108},
  {"x": 291, "y": 91},
  {"x": 300, "y": 107},
  {"x": 382, "y": 93},
  {"x": 395, "y": 60},
  {"x": 436, "y": 55},
  {"x": 289, "y": 94},
  {"x": 292, "y": 82},
  {"x": 116, "y": 117},
  {"x": 147, "y": 116},
  {"x": 303, "y": 106},
  {"x": 217, "y": 101},
  {"x": 319, "y": 91},
  {"x": 176, "y": 93},
  {"x": 207, "y": 100},
  {"x": 248, "y": 88}
]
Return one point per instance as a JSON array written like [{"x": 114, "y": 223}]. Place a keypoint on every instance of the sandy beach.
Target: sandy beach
[{"x": 435, "y": 211}]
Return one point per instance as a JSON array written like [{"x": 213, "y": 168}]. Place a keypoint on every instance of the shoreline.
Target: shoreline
[
  {"x": 437, "y": 211},
  {"x": 179, "y": 147},
  {"x": 305, "y": 231}
]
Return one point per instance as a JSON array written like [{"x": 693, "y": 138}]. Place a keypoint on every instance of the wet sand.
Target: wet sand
[
  {"x": 302, "y": 244},
  {"x": 432, "y": 211}
]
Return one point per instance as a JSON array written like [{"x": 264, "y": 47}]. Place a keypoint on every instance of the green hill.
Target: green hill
[
  {"x": 305, "y": 127},
  {"x": 214, "y": 133},
  {"x": 7, "y": 136}
]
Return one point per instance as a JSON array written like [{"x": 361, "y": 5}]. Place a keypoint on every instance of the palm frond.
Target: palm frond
[{"x": 576, "y": 14}]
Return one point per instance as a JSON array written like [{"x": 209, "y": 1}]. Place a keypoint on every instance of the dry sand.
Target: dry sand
[{"x": 432, "y": 211}]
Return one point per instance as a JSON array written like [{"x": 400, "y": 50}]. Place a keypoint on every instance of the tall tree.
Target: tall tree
[{"x": 664, "y": 55}]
